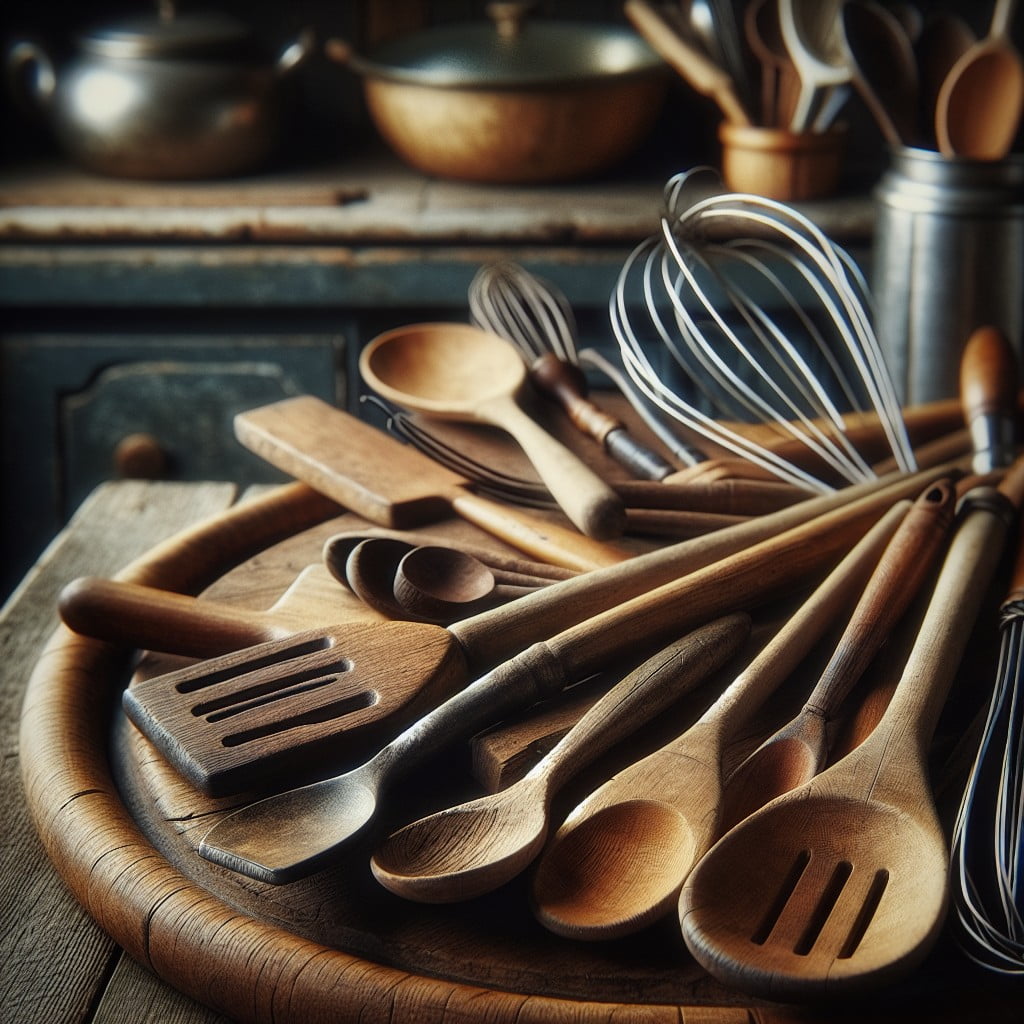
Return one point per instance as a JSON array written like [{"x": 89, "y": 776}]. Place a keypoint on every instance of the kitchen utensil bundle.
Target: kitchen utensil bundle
[
  {"x": 395, "y": 486},
  {"x": 233, "y": 721},
  {"x": 846, "y": 878},
  {"x": 292, "y": 834},
  {"x": 665, "y": 809},
  {"x": 772, "y": 323}
]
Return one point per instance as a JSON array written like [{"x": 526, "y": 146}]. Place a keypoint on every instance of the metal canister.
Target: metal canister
[{"x": 948, "y": 257}]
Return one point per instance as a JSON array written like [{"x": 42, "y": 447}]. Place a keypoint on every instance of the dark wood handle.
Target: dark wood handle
[{"x": 988, "y": 393}]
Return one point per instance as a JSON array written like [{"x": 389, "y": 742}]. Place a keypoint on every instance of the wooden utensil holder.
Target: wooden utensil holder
[{"x": 779, "y": 164}]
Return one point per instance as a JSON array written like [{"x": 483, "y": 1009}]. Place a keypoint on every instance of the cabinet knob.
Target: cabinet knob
[{"x": 140, "y": 457}]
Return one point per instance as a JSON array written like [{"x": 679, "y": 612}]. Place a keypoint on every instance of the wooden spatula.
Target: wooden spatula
[{"x": 394, "y": 485}]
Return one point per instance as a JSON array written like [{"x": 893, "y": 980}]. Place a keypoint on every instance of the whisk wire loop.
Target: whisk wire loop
[{"x": 773, "y": 323}]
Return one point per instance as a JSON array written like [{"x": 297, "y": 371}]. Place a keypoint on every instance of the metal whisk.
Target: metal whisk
[
  {"x": 536, "y": 317},
  {"x": 742, "y": 309},
  {"x": 988, "y": 839}
]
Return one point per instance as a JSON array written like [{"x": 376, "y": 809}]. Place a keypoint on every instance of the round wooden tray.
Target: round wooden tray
[{"x": 122, "y": 829}]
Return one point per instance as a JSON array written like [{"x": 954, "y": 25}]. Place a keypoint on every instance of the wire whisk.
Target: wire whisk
[
  {"x": 741, "y": 309},
  {"x": 987, "y": 858}
]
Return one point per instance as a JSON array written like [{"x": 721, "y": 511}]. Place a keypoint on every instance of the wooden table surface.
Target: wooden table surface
[{"x": 56, "y": 964}]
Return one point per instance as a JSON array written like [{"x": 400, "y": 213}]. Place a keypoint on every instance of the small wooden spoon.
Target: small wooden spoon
[
  {"x": 979, "y": 105},
  {"x": 442, "y": 585},
  {"x": 796, "y": 753},
  {"x": 465, "y": 851},
  {"x": 842, "y": 885},
  {"x": 459, "y": 372},
  {"x": 619, "y": 860}
]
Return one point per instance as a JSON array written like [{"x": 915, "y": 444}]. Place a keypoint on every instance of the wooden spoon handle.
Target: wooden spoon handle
[
  {"x": 902, "y": 570},
  {"x": 957, "y": 597},
  {"x": 656, "y": 684},
  {"x": 583, "y": 496},
  {"x": 149, "y": 618},
  {"x": 840, "y": 518},
  {"x": 988, "y": 393}
]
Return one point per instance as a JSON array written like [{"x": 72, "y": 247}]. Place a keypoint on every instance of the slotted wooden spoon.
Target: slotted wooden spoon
[
  {"x": 795, "y": 753},
  {"x": 620, "y": 858},
  {"x": 842, "y": 885}
]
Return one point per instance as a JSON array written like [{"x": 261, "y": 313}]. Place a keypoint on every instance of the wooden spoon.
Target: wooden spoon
[
  {"x": 841, "y": 885},
  {"x": 291, "y": 834},
  {"x": 370, "y": 570},
  {"x": 459, "y": 372},
  {"x": 979, "y": 106},
  {"x": 620, "y": 858},
  {"x": 442, "y": 585},
  {"x": 796, "y": 753},
  {"x": 465, "y": 851}
]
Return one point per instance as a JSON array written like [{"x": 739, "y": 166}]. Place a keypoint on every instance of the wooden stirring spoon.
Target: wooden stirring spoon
[
  {"x": 979, "y": 105},
  {"x": 291, "y": 834},
  {"x": 460, "y": 372},
  {"x": 842, "y": 885},
  {"x": 620, "y": 858},
  {"x": 465, "y": 851},
  {"x": 796, "y": 753}
]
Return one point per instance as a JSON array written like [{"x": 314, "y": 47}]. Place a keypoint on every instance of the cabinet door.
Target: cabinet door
[{"x": 78, "y": 410}]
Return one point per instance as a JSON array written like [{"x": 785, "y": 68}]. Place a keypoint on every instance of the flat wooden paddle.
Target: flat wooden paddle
[{"x": 394, "y": 485}]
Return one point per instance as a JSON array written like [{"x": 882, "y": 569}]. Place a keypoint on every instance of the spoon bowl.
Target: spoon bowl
[
  {"x": 574, "y": 893},
  {"x": 459, "y": 372},
  {"x": 979, "y": 105},
  {"x": 820, "y": 907},
  {"x": 465, "y": 851}
]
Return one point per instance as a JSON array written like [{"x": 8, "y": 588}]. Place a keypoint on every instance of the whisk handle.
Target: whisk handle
[
  {"x": 988, "y": 393},
  {"x": 567, "y": 385}
]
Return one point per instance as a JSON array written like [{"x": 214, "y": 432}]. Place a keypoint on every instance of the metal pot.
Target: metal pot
[
  {"x": 162, "y": 97},
  {"x": 512, "y": 101}
]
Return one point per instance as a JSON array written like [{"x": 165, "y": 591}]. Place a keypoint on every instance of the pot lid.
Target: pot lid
[
  {"x": 170, "y": 35},
  {"x": 513, "y": 53}
]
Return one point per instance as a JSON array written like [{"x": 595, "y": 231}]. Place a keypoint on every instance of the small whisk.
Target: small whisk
[
  {"x": 537, "y": 319},
  {"x": 741, "y": 308}
]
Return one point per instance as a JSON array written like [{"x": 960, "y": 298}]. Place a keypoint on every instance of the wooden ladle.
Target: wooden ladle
[
  {"x": 979, "y": 106},
  {"x": 462, "y": 852},
  {"x": 619, "y": 860},
  {"x": 795, "y": 753},
  {"x": 842, "y": 885},
  {"x": 459, "y": 372}
]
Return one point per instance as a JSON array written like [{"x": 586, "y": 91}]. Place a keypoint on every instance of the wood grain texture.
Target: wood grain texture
[
  {"x": 41, "y": 923},
  {"x": 238, "y": 950}
]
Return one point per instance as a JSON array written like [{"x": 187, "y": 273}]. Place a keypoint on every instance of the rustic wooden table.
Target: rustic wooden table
[{"x": 56, "y": 964}]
